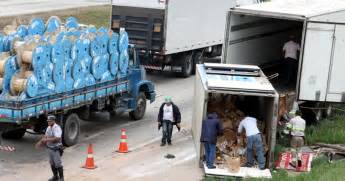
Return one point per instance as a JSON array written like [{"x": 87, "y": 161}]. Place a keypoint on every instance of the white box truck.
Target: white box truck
[
  {"x": 255, "y": 35},
  {"x": 174, "y": 34},
  {"x": 252, "y": 89}
]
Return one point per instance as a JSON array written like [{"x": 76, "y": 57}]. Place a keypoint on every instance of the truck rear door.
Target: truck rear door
[
  {"x": 321, "y": 72},
  {"x": 336, "y": 86}
]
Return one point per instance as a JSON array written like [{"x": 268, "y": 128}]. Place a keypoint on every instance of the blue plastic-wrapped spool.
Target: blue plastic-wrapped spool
[
  {"x": 32, "y": 86},
  {"x": 69, "y": 83},
  {"x": 48, "y": 52},
  {"x": 49, "y": 76},
  {"x": 58, "y": 71},
  {"x": 72, "y": 22},
  {"x": 76, "y": 51},
  {"x": 99, "y": 66},
  {"x": 87, "y": 62},
  {"x": 79, "y": 83},
  {"x": 1, "y": 43},
  {"x": 67, "y": 47},
  {"x": 22, "y": 31},
  {"x": 68, "y": 65},
  {"x": 73, "y": 32},
  {"x": 103, "y": 40},
  {"x": 57, "y": 53},
  {"x": 123, "y": 41},
  {"x": 86, "y": 47},
  {"x": 36, "y": 27},
  {"x": 10, "y": 68},
  {"x": 78, "y": 70},
  {"x": 95, "y": 49},
  {"x": 90, "y": 80},
  {"x": 123, "y": 64},
  {"x": 113, "y": 43},
  {"x": 114, "y": 63},
  {"x": 53, "y": 24},
  {"x": 106, "y": 77},
  {"x": 80, "y": 49},
  {"x": 60, "y": 86},
  {"x": 7, "y": 42}
]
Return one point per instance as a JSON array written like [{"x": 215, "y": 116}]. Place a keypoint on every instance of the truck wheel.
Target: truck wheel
[
  {"x": 14, "y": 134},
  {"x": 197, "y": 59},
  {"x": 71, "y": 130},
  {"x": 139, "y": 112},
  {"x": 187, "y": 65}
]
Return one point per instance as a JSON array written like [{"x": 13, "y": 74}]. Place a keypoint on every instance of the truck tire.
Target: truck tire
[
  {"x": 14, "y": 134},
  {"x": 139, "y": 112},
  {"x": 71, "y": 130},
  {"x": 187, "y": 65},
  {"x": 198, "y": 58}
]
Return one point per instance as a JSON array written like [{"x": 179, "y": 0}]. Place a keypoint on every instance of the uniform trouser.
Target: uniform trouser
[
  {"x": 54, "y": 158},
  {"x": 291, "y": 70},
  {"x": 167, "y": 131},
  {"x": 296, "y": 141},
  {"x": 255, "y": 141},
  {"x": 210, "y": 153}
]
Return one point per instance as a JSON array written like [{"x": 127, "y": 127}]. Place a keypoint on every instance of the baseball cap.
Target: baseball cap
[{"x": 51, "y": 118}]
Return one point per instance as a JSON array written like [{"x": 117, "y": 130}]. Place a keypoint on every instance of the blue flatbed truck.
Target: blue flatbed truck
[{"x": 123, "y": 94}]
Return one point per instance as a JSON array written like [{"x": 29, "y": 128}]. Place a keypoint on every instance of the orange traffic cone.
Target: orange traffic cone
[
  {"x": 90, "y": 164},
  {"x": 123, "y": 148}
]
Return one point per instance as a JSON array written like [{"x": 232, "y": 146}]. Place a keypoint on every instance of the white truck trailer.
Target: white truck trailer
[
  {"x": 175, "y": 34},
  {"x": 252, "y": 89},
  {"x": 255, "y": 35}
]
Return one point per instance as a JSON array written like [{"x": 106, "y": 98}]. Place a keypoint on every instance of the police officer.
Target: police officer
[
  {"x": 297, "y": 127},
  {"x": 52, "y": 140}
]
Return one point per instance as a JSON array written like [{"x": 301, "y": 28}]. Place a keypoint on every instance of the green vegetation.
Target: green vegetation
[
  {"x": 327, "y": 131},
  {"x": 98, "y": 16}
]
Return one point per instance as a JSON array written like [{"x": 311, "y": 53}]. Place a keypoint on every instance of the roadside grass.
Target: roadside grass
[
  {"x": 92, "y": 15},
  {"x": 98, "y": 16},
  {"x": 330, "y": 131}
]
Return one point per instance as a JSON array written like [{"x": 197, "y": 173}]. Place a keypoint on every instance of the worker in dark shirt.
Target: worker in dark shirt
[{"x": 211, "y": 129}]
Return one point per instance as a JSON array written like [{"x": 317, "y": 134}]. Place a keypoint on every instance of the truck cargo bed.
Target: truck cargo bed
[{"x": 14, "y": 111}]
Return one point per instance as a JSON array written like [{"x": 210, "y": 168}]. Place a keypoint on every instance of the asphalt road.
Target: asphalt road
[
  {"x": 19, "y": 7},
  {"x": 145, "y": 161}
]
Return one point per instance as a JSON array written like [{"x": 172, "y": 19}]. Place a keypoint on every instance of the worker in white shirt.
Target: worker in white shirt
[
  {"x": 290, "y": 52},
  {"x": 254, "y": 140},
  {"x": 297, "y": 127},
  {"x": 169, "y": 115}
]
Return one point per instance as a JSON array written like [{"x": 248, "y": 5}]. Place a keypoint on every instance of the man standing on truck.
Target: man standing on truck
[
  {"x": 52, "y": 140},
  {"x": 297, "y": 127},
  {"x": 211, "y": 129},
  {"x": 254, "y": 140},
  {"x": 290, "y": 52},
  {"x": 168, "y": 116}
]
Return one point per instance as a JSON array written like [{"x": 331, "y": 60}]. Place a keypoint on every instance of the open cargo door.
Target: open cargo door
[
  {"x": 316, "y": 61},
  {"x": 321, "y": 74},
  {"x": 336, "y": 86}
]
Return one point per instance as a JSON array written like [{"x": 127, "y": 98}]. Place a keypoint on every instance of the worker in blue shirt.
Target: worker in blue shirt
[{"x": 211, "y": 129}]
